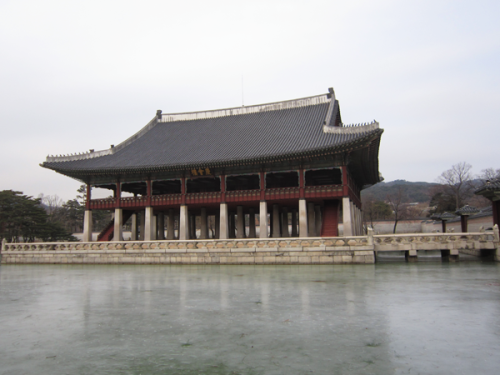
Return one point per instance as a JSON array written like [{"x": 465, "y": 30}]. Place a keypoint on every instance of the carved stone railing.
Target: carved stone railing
[
  {"x": 436, "y": 241},
  {"x": 234, "y": 251},
  {"x": 310, "y": 250}
]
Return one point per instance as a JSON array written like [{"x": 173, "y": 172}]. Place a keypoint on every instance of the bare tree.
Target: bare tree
[
  {"x": 53, "y": 205},
  {"x": 489, "y": 174},
  {"x": 399, "y": 205},
  {"x": 458, "y": 182},
  {"x": 374, "y": 210}
]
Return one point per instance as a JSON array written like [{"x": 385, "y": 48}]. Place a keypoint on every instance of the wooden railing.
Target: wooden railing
[{"x": 326, "y": 191}]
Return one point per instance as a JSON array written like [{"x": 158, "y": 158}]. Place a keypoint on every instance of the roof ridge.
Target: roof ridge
[
  {"x": 266, "y": 107},
  {"x": 351, "y": 128}
]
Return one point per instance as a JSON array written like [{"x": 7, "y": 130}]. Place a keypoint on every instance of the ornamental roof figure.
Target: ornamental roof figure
[{"x": 267, "y": 133}]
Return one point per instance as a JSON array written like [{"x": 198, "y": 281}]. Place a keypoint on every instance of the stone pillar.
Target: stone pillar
[
  {"x": 142, "y": 225},
  {"x": 251, "y": 223},
  {"x": 240, "y": 224},
  {"x": 192, "y": 227},
  {"x": 224, "y": 222},
  {"x": 87, "y": 226},
  {"x": 183, "y": 223},
  {"x": 353, "y": 220},
  {"x": 346, "y": 216},
  {"x": 204, "y": 224},
  {"x": 303, "y": 218},
  {"x": 171, "y": 224},
  {"x": 276, "y": 220},
  {"x": 232, "y": 225},
  {"x": 284, "y": 223},
  {"x": 294, "y": 222},
  {"x": 133, "y": 235},
  {"x": 360, "y": 219},
  {"x": 149, "y": 234},
  {"x": 263, "y": 219},
  {"x": 311, "y": 220},
  {"x": 217, "y": 226},
  {"x": 118, "y": 230},
  {"x": 160, "y": 226},
  {"x": 317, "y": 219}
]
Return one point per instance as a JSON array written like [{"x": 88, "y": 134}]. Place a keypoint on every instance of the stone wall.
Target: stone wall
[
  {"x": 282, "y": 251},
  {"x": 333, "y": 250}
]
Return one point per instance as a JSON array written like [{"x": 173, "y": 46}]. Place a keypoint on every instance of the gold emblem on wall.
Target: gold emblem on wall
[{"x": 196, "y": 172}]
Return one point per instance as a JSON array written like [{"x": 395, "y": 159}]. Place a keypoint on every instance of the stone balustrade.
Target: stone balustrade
[
  {"x": 321, "y": 250},
  {"x": 240, "y": 251}
]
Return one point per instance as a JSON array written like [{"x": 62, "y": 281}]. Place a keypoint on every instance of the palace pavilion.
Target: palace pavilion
[{"x": 285, "y": 169}]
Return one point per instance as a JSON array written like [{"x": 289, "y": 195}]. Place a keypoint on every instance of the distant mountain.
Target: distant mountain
[{"x": 416, "y": 191}]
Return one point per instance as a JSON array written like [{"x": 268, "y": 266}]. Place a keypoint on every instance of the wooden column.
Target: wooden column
[
  {"x": 133, "y": 235},
  {"x": 302, "y": 184},
  {"x": 284, "y": 223},
  {"x": 160, "y": 226},
  {"x": 317, "y": 219},
  {"x": 149, "y": 192},
  {"x": 276, "y": 221},
  {"x": 311, "y": 220},
  {"x": 463, "y": 223},
  {"x": 294, "y": 223},
  {"x": 118, "y": 194},
  {"x": 232, "y": 225},
  {"x": 240, "y": 226},
  {"x": 171, "y": 224},
  {"x": 204, "y": 224},
  {"x": 89, "y": 197},
  {"x": 251, "y": 223}
]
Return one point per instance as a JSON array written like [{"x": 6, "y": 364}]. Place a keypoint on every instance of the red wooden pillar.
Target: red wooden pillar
[
  {"x": 222, "y": 188},
  {"x": 149, "y": 192},
  {"x": 463, "y": 223},
  {"x": 118, "y": 194},
  {"x": 183, "y": 190},
  {"x": 89, "y": 195},
  {"x": 302, "y": 184},
  {"x": 345, "y": 181},
  {"x": 330, "y": 225},
  {"x": 262, "y": 186}
]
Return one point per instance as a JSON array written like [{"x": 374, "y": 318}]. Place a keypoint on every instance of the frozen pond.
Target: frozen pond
[{"x": 393, "y": 318}]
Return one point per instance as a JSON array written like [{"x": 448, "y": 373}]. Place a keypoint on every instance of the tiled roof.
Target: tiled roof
[
  {"x": 490, "y": 185},
  {"x": 254, "y": 133},
  {"x": 466, "y": 210}
]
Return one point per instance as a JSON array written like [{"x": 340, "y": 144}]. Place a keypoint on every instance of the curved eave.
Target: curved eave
[{"x": 366, "y": 140}]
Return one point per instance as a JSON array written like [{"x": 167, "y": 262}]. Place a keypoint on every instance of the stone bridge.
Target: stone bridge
[{"x": 321, "y": 250}]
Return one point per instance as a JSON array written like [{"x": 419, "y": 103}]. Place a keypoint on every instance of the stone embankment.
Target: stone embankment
[{"x": 337, "y": 250}]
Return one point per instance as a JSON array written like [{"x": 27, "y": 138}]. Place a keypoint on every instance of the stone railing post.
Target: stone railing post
[
  {"x": 369, "y": 233},
  {"x": 495, "y": 233},
  {"x": 3, "y": 246}
]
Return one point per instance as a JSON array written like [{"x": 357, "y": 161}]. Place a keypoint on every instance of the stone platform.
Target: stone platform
[{"x": 321, "y": 250}]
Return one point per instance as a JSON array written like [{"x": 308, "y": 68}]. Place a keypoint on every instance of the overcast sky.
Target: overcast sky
[{"x": 83, "y": 75}]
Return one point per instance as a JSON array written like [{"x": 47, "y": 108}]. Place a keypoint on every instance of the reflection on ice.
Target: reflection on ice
[{"x": 376, "y": 319}]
